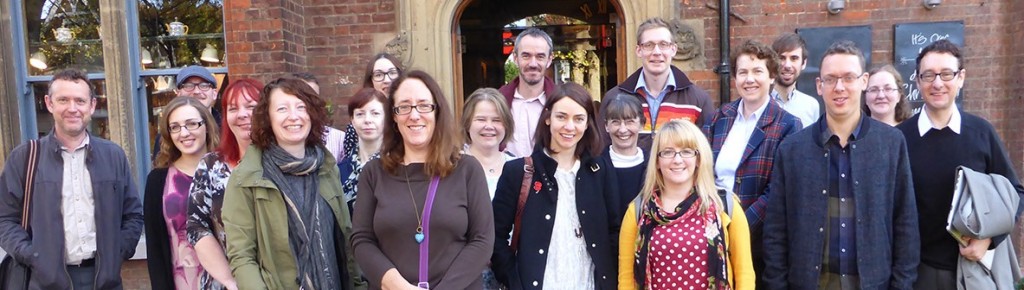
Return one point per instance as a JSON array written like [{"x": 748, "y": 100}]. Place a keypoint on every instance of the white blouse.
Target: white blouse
[{"x": 569, "y": 266}]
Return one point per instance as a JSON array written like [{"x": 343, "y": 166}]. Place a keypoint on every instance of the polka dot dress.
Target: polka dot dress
[{"x": 678, "y": 254}]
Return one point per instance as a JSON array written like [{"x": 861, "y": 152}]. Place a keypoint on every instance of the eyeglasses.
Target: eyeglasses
[
  {"x": 685, "y": 153},
  {"x": 378, "y": 75},
  {"x": 885, "y": 90},
  {"x": 945, "y": 76},
  {"x": 831, "y": 80},
  {"x": 620, "y": 122},
  {"x": 189, "y": 125},
  {"x": 188, "y": 87},
  {"x": 664, "y": 45},
  {"x": 407, "y": 109}
]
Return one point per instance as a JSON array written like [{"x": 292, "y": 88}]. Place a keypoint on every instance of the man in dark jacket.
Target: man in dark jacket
[
  {"x": 527, "y": 93},
  {"x": 841, "y": 210},
  {"x": 664, "y": 90},
  {"x": 85, "y": 216}
]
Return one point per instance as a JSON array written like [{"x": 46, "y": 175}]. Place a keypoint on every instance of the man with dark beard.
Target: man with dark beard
[
  {"x": 527, "y": 93},
  {"x": 793, "y": 51}
]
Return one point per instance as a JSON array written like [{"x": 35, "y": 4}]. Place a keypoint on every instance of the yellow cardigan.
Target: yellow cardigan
[{"x": 737, "y": 242}]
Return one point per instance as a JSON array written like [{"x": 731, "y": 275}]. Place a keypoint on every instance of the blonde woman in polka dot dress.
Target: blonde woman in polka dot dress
[{"x": 682, "y": 237}]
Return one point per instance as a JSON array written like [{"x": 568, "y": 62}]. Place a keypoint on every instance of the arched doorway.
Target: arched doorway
[
  {"x": 424, "y": 39},
  {"x": 586, "y": 35}
]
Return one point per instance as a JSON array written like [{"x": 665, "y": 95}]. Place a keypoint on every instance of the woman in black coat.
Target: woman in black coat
[{"x": 569, "y": 210}]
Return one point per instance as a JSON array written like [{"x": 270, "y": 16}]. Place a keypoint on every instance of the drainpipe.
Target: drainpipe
[{"x": 723, "y": 69}]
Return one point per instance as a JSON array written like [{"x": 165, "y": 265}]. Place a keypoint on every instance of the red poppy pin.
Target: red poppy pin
[{"x": 536, "y": 186}]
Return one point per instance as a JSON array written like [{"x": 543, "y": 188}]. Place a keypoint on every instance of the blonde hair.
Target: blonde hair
[{"x": 683, "y": 134}]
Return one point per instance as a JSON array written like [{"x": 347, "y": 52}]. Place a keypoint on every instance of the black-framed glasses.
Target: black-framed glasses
[
  {"x": 188, "y": 87},
  {"x": 378, "y": 75},
  {"x": 685, "y": 153},
  {"x": 421, "y": 108},
  {"x": 945, "y": 76},
  {"x": 649, "y": 46},
  {"x": 876, "y": 90},
  {"x": 189, "y": 125}
]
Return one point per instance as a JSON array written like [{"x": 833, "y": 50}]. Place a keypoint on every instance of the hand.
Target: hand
[
  {"x": 393, "y": 280},
  {"x": 975, "y": 249}
]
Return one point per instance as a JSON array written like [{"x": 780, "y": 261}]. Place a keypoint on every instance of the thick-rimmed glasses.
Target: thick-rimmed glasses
[
  {"x": 188, "y": 87},
  {"x": 664, "y": 45},
  {"x": 378, "y": 76},
  {"x": 421, "y": 108},
  {"x": 685, "y": 153},
  {"x": 189, "y": 125},
  {"x": 945, "y": 76}
]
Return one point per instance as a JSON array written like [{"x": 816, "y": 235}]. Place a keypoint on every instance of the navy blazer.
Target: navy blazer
[
  {"x": 599, "y": 219},
  {"x": 886, "y": 210}
]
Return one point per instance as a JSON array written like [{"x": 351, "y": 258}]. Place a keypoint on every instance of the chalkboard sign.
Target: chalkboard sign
[
  {"x": 818, "y": 40},
  {"x": 908, "y": 41}
]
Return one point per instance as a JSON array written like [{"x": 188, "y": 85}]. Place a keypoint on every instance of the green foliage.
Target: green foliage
[{"x": 511, "y": 71}]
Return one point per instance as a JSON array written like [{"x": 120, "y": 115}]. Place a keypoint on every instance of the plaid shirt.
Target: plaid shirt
[{"x": 755, "y": 166}]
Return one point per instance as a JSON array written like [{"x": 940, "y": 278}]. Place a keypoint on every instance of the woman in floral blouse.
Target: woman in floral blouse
[{"x": 206, "y": 197}]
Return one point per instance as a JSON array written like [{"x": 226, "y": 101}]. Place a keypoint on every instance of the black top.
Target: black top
[
  {"x": 933, "y": 162},
  {"x": 158, "y": 246},
  {"x": 630, "y": 180}
]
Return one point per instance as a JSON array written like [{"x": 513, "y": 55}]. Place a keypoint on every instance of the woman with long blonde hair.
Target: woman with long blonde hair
[{"x": 680, "y": 235}]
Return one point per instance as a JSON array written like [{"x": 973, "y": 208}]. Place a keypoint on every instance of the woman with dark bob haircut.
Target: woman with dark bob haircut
[
  {"x": 422, "y": 217},
  {"x": 568, "y": 207},
  {"x": 285, "y": 216}
]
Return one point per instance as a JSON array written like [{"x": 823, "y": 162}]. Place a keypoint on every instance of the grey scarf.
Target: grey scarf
[{"x": 311, "y": 222}]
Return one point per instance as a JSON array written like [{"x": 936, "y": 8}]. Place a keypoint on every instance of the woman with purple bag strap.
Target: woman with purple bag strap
[{"x": 422, "y": 217}]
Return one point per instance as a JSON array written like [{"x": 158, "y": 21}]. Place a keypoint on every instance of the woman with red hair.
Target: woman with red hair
[{"x": 206, "y": 196}]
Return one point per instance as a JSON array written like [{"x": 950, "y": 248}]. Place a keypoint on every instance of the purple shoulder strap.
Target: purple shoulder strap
[{"x": 425, "y": 245}]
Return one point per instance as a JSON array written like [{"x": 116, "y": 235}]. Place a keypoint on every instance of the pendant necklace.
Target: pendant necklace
[{"x": 419, "y": 221}]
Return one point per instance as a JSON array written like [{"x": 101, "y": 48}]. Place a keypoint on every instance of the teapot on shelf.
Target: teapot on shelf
[
  {"x": 63, "y": 34},
  {"x": 176, "y": 28}
]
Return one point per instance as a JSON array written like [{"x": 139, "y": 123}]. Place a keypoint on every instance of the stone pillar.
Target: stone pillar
[
  {"x": 10, "y": 132},
  {"x": 120, "y": 84}
]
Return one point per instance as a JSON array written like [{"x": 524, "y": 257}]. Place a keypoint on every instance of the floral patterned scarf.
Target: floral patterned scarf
[{"x": 652, "y": 216}]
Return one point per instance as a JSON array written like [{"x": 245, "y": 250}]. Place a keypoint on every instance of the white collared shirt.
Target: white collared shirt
[
  {"x": 801, "y": 105},
  {"x": 525, "y": 114},
  {"x": 734, "y": 146},
  {"x": 569, "y": 265},
  {"x": 924, "y": 123},
  {"x": 77, "y": 207}
]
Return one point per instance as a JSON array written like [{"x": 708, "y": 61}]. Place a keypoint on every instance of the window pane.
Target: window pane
[
  {"x": 177, "y": 33},
  {"x": 62, "y": 34},
  {"x": 97, "y": 127}
]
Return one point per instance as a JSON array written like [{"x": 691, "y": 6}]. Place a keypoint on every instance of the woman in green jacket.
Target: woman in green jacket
[{"x": 285, "y": 218}]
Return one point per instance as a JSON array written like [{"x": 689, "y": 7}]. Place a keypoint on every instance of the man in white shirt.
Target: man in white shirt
[
  {"x": 527, "y": 93},
  {"x": 793, "y": 51}
]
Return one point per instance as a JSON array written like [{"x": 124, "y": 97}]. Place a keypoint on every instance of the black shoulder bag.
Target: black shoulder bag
[{"x": 13, "y": 274}]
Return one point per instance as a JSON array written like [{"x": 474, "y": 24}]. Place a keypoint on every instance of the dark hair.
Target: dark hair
[
  {"x": 844, "y": 47},
  {"x": 942, "y": 46},
  {"x": 759, "y": 51},
  {"x": 363, "y": 97},
  {"x": 368, "y": 76},
  {"x": 72, "y": 75},
  {"x": 306, "y": 76},
  {"x": 623, "y": 106},
  {"x": 445, "y": 143},
  {"x": 656, "y": 22},
  {"x": 244, "y": 88},
  {"x": 168, "y": 152},
  {"x": 262, "y": 133},
  {"x": 534, "y": 32},
  {"x": 494, "y": 97},
  {"x": 902, "y": 108},
  {"x": 591, "y": 141},
  {"x": 788, "y": 42}
]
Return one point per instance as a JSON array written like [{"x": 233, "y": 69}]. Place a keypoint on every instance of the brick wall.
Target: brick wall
[
  {"x": 331, "y": 39},
  {"x": 993, "y": 34}
]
